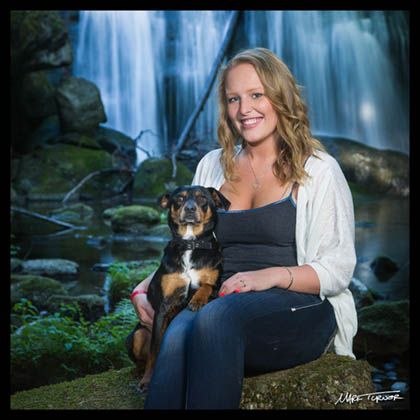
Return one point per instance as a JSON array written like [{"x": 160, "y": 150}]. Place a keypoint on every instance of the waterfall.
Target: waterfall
[
  {"x": 196, "y": 39},
  {"x": 119, "y": 52},
  {"x": 151, "y": 66},
  {"x": 348, "y": 68}
]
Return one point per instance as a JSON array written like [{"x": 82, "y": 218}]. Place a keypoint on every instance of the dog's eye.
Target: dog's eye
[
  {"x": 201, "y": 200},
  {"x": 180, "y": 199}
]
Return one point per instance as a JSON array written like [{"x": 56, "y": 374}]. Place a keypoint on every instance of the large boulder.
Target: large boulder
[
  {"x": 381, "y": 171},
  {"x": 122, "y": 147},
  {"x": 315, "y": 385},
  {"x": 383, "y": 328},
  {"x": 80, "y": 106}
]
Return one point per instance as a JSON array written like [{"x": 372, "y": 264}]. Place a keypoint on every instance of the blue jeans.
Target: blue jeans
[{"x": 205, "y": 355}]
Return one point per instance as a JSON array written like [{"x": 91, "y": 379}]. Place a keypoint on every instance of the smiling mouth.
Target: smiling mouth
[{"x": 250, "y": 122}]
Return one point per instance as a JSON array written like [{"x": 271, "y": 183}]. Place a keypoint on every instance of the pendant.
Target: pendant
[{"x": 256, "y": 184}]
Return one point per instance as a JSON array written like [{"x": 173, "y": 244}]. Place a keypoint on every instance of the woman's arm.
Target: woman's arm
[
  {"x": 141, "y": 305},
  {"x": 305, "y": 280}
]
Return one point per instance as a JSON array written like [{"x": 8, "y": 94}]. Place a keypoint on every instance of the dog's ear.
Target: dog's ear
[
  {"x": 220, "y": 200},
  {"x": 163, "y": 200}
]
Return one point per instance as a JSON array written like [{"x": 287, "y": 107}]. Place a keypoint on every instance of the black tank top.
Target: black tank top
[{"x": 257, "y": 238}]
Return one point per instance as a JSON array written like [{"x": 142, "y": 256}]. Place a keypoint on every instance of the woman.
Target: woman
[{"x": 287, "y": 242}]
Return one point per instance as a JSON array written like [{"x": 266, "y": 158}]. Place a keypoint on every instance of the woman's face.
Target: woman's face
[{"x": 248, "y": 108}]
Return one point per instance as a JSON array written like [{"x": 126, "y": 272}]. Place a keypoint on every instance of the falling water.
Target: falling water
[
  {"x": 151, "y": 67},
  {"x": 196, "y": 40},
  {"x": 119, "y": 52},
  {"x": 353, "y": 81}
]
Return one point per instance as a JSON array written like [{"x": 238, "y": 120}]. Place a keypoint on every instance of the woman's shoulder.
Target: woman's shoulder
[
  {"x": 212, "y": 156},
  {"x": 209, "y": 169},
  {"x": 322, "y": 164}
]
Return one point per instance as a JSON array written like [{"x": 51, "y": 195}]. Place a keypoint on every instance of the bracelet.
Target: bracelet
[
  {"x": 137, "y": 292},
  {"x": 291, "y": 278}
]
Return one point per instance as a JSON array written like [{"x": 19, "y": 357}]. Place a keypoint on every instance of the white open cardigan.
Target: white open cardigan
[{"x": 324, "y": 233}]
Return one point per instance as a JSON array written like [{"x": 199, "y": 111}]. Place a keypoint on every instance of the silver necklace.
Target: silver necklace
[{"x": 257, "y": 183}]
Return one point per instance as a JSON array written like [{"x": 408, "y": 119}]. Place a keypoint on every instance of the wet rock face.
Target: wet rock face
[
  {"x": 320, "y": 384},
  {"x": 80, "y": 106},
  {"x": 39, "y": 40}
]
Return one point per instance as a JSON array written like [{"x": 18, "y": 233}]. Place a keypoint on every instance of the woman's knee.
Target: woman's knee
[{"x": 214, "y": 318}]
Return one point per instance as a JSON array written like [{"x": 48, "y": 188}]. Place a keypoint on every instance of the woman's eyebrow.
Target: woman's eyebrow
[{"x": 229, "y": 92}]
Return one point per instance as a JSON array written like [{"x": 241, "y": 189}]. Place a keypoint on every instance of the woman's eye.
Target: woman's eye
[
  {"x": 232, "y": 100},
  {"x": 257, "y": 95}
]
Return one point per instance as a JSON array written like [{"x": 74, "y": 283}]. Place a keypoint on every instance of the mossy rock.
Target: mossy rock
[
  {"x": 76, "y": 212},
  {"x": 315, "y": 385},
  {"x": 37, "y": 289},
  {"x": 134, "y": 219},
  {"x": 383, "y": 328},
  {"x": 57, "y": 169},
  {"x": 154, "y": 178}
]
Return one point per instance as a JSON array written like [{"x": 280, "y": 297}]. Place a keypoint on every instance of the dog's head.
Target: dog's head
[{"x": 195, "y": 206}]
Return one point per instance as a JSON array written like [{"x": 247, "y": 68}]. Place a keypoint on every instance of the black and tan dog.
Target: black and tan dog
[{"x": 189, "y": 270}]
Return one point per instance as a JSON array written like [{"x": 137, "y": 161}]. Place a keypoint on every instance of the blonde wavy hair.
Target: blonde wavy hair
[{"x": 296, "y": 143}]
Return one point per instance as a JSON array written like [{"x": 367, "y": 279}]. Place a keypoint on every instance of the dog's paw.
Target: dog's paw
[{"x": 195, "y": 305}]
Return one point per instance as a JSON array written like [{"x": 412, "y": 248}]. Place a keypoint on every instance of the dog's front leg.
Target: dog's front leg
[{"x": 208, "y": 278}]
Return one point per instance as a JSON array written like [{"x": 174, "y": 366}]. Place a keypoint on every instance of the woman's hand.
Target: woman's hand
[
  {"x": 144, "y": 310},
  {"x": 247, "y": 281}
]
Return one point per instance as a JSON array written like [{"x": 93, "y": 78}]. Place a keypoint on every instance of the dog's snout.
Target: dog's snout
[{"x": 190, "y": 206}]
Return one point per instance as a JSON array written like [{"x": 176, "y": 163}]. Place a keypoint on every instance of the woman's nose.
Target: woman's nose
[{"x": 245, "y": 106}]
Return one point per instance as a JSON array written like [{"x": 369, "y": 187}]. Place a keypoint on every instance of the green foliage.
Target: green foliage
[
  {"x": 124, "y": 279},
  {"x": 63, "y": 346}
]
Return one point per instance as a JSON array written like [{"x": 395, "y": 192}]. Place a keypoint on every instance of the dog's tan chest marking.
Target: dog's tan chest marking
[{"x": 171, "y": 282}]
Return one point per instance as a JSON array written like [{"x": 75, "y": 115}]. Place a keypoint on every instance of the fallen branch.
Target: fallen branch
[
  {"x": 45, "y": 218},
  {"x": 92, "y": 175},
  {"x": 207, "y": 89},
  {"x": 148, "y": 154}
]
